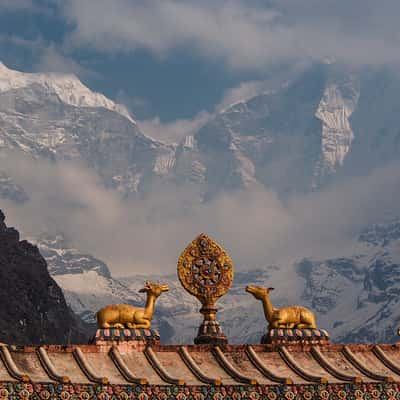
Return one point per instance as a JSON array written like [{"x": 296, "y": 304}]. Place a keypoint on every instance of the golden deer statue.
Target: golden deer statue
[
  {"x": 287, "y": 317},
  {"x": 127, "y": 316}
]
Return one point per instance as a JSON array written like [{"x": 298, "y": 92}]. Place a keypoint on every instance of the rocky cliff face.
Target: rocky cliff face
[
  {"x": 334, "y": 110},
  {"x": 33, "y": 308}
]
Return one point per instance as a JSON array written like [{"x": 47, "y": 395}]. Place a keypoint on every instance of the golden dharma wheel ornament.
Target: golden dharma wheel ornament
[{"x": 206, "y": 271}]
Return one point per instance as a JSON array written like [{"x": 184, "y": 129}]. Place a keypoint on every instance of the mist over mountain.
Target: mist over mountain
[
  {"x": 329, "y": 123},
  {"x": 293, "y": 178}
]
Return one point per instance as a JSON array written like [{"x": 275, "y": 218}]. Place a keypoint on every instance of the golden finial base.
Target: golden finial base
[
  {"x": 210, "y": 332},
  {"x": 286, "y": 336},
  {"x": 119, "y": 335}
]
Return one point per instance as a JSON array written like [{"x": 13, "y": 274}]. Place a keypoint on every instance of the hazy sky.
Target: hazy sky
[{"x": 172, "y": 60}]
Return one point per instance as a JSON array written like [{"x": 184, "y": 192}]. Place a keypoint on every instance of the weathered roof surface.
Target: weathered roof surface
[{"x": 201, "y": 365}]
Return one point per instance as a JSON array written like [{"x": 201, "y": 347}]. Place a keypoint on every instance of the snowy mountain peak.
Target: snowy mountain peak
[
  {"x": 62, "y": 258},
  {"x": 56, "y": 117},
  {"x": 68, "y": 88}
]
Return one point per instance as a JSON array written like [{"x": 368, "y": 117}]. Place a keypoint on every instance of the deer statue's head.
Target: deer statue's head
[
  {"x": 154, "y": 288},
  {"x": 259, "y": 292}
]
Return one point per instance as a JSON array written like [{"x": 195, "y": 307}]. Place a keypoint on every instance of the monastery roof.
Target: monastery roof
[{"x": 201, "y": 364}]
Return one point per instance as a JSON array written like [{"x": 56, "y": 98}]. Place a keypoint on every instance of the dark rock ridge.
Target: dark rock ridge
[{"x": 33, "y": 309}]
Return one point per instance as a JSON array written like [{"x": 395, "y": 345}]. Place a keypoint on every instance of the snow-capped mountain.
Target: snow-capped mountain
[
  {"x": 357, "y": 295},
  {"x": 326, "y": 124},
  {"x": 67, "y": 88},
  {"x": 56, "y": 117},
  {"x": 293, "y": 139}
]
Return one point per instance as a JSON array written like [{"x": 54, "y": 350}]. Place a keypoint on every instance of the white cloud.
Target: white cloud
[
  {"x": 16, "y": 5},
  {"x": 47, "y": 57},
  {"x": 32, "y": 44},
  {"x": 52, "y": 60},
  {"x": 141, "y": 235},
  {"x": 137, "y": 106},
  {"x": 242, "y": 92},
  {"x": 244, "y": 34},
  {"x": 31, "y": 6},
  {"x": 173, "y": 132}
]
